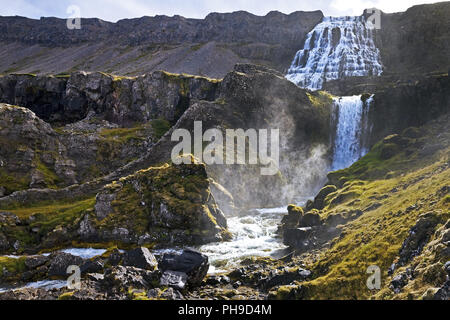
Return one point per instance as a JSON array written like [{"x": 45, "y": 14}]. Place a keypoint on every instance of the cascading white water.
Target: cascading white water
[
  {"x": 337, "y": 47},
  {"x": 351, "y": 130}
]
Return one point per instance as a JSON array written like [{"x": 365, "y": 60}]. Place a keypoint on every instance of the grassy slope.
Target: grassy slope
[{"x": 410, "y": 178}]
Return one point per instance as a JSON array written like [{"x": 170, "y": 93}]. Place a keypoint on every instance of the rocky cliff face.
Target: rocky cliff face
[
  {"x": 416, "y": 41},
  {"x": 121, "y": 100},
  {"x": 208, "y": 47},
  {"x": 126, "y": 117}
]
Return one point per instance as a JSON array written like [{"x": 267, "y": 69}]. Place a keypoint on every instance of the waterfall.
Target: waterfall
[
  {"x": 337, "y": 47},
  {"x": 352, "y": 130}
]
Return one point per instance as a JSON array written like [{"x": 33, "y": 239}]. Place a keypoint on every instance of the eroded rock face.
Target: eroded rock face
[
  {"x": 123, "y": 101},
  {"x": 30, "y": 152},
  {"x": 166, "y": 205}
]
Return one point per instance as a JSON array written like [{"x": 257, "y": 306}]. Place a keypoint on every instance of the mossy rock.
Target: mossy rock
[{"x": 319, "y": 200}]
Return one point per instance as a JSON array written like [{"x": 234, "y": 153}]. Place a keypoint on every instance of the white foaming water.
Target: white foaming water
[
  {"x": 87, "y": 253},
  {"x": 352, "y": 129},
  {"x": 337, "y": 47},
  {"x": 44, "y": 284},
  {"x": 254, "y": 234}
]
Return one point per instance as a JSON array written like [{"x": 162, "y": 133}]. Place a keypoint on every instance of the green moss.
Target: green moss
[
  {"x": 66, "y": 296},
  {"x": 47, "y": 216},
  {"x": 15, "y": 268},
  {"x": 446, "y": 199},
  {"x": 50, "y": 177},
  {"x": 160, "y": 127},
  {"x": 122, "y": 135},
  {"x": 293, "y": 209},
  {"x": 197, "y": 47},
  {"x": 13, "y": 181},
  {"x": 320, "y": 99},
  {"x": 376, "y": 236}
]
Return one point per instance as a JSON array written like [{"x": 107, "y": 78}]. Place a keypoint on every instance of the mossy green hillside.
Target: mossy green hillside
[{"x": 391, "y": 194}]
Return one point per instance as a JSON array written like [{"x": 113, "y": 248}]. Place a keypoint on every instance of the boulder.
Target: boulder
[
  {"x": 140, "y": 258},
  {"x": 177, "y": 280},
  {"x": 194, "y": 264},
  {"x": 60, "y": 261},
  {"x": 310, "y": 219},
  {"x": 92, "y": 266},
  {"x": 122, "y": 278},
  {"x": 36, "y": 261},
  {"x": 296, "y": 237},
  {"x": 294, "y": 215},
  {"x": 320, "y": 198}
]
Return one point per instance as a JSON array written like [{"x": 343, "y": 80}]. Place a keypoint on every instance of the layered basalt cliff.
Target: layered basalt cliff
[{"x": 209, "y": 46}]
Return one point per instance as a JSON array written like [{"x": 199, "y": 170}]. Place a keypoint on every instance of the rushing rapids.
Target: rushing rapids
[{"x": 337, "y": 47}]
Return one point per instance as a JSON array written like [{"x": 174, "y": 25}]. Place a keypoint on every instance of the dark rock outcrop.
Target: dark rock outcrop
[
  {"x": 190, "y": 262},
  {"x": 140, "y": 258},
  {"x": 59, "y": 262}
]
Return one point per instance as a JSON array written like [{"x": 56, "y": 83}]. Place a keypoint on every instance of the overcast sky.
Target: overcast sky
[{"x": 113, "y": 10}]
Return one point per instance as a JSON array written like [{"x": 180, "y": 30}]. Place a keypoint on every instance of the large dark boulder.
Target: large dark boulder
[
  {"x": 36, "y": 261},
  {"x": 140, "y": 258},
  {"x": 194, "y": 264},
  {"x": 60, "y": 261}
]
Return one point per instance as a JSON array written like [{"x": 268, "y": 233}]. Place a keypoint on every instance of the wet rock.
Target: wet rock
[
  {"x": 297, "y": 237},
  {"x": 92, "y": 266},
  {"x": 60, "y": 261},
  {"x": 194, "y": 264},
  {"x": 36, "y": 261},
  {"x": 310, "y": 220},
  {"x": 174, "y": 279},
  {"x": 140, "y": 258}
]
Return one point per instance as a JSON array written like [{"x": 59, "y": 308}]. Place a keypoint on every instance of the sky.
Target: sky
[{"x": 113, "y": 10}]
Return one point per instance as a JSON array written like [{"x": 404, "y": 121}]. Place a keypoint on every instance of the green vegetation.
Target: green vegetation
[
  {"x": 13, "y": 181},
  {"x": 15, "y": 268},
  {"x": 160, "y": 127},
  {"x": 391, "y": 193},
  {"x": 44, "y": 218}
]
